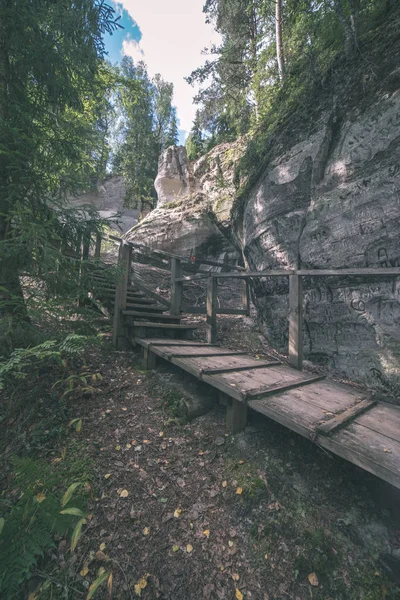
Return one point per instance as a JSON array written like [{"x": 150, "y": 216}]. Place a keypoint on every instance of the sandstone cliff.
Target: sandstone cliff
[{"x": 327, "y": 197}]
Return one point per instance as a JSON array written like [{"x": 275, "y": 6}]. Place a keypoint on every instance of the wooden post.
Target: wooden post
[
  {"x": 236, "y": 416},
  {"x": 176, "y": 287},
  {"x": 246, "y": 296},
  {"x": 124, "y": 261},
  {"x": 212, "y": 287},
  {"x": 295, "y": 321},
  {"x": 97, "y": 248}
]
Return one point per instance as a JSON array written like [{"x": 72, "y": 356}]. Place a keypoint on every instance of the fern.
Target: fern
[{"x": 31, "y": 524}]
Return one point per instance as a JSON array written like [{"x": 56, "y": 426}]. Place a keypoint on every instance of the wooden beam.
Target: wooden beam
[
  {"x": 295, "y": 322},
  {"x": 343, "y": 419},
  {"x": 248, "y": 274},
  {"x": 176, "y": 287},
  {"x": 236, "y": 416},
  {"x": 201, "y": 310},
  {"x": 235, "y": 369},
  {"x": 379, "y": 272},
  {"x": 149, "y": 358},
  {"x": 124, "y": 261},
  {"x": 246, "y": 297},
  {"x": 212, "y": 289},
  {"x": 207, "y": 355},
  {"x": 279, "y": 387}
]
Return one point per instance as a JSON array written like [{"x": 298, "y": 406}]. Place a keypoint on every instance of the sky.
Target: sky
[{"x": 169, "y": 36}]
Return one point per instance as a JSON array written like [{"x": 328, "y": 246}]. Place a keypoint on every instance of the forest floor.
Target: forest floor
[{"x": 181, "y": 511}]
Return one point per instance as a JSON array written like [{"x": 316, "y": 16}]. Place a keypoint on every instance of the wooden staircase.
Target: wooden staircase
[{"x": 140, "y": 315}]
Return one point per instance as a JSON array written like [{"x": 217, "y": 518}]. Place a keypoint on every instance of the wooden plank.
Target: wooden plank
[
  {"x": 163, "y": 325},
  {"x": 201, "y": 354},
  {"x": 166, "y": 342},
  {"x": 211, "y": 326},
  {"x": 295, "y": 322},
  {"x": 379, "y": 272},
  {"x": 168, "y": 350},
  {"x": 237, "y": 384},
  {"x": 384, "y": 418},
  {"x": 368, "y": 449},
  {"x": 248, "y": 274},
  {"x": 142, "y": 315},
  {"x": 176, "y": 287},
  {"x": 330, "y": 396},
  {"x": 212, "y": 364},
  {"x": 246, "y": 297},
  {"x": 201, "y": 310},
  {"x": 345, "y": 417},
  {"x": 281, "y": 387}
]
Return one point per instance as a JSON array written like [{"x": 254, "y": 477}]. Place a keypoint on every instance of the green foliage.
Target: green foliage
[
  {"x": 23, "y": 360},
  {"x": 195, "y": 142},
  {"x": 32, "y": 523},
  {"x": 147, "y": 125}
]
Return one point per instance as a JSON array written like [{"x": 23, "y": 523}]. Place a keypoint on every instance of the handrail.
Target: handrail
[{"x": 361, "y": 272}]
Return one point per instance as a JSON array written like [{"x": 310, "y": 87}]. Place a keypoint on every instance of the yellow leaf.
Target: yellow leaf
[
  {"x": 266, "y": 557},
  {"x": 68, "y": 494},
  {"x": 110, "y": 585},
  {"x": 161, "y": 434},
  {"x": 230, "y": 544},
  {"x": 128, "y": 446},
  {"x": 141, "y": 584},
  {"x": 78, "y": 426},
  {"x": 84, "y": 571},
  {"x": 313, "y": 579},
  {"x": 32, "y": 596},
  {"x": 124, "y": 494},
  {"x": 146, "y": 531},
  {"x": 146, "y": 441},
  {"x": 118, "y": 447},
  {"x": 107, "y": 476},
  {"x": 76, "y": 534},
  {"x": 241, "y": 462},
  {"x": 177, "y": 513},
  {"x": 102, "y": 546},
  {"x": 238, "y": 594},
  {"x": 206, "y": 532},
  {"x": 175, "y": 548},
  {"x": 387, "y": 450},
  {"x": 40, "y": 497},
  {"x": 224, "y": 483},
  {"x": 97, "y": 583},
  {"x": 189, "y": 548},
  {"x": 235, "y": 577},
  {"x": 239, "y": 490}
]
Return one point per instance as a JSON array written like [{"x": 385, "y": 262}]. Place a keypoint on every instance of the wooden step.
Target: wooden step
[
  {"x": 148, "y": 308},
  {"x": 147, "y": 315},
  {"x": 141, "y": 301},
  {"x": 150, "y": 325}
]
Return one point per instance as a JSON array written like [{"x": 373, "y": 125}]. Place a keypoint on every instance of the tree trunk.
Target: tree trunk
[
  {"x": 279, "y": 45},
  {"x": 349, "y": 32}
]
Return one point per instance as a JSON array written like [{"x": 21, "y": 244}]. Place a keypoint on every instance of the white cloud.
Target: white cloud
[{"x": 173, "y": 35}]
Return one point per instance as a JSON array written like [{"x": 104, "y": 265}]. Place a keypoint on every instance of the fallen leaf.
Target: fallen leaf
[
  {"x": 313, "y": 579},
  {"x": 107, "y": 476},
  {"x": 40, "y": 497},
  {"x": 230, "y": 543},
  {"x": 206, "y": 532},
  {"x": 124, "y": 494},
  {"x": 102, "y": 546},
  {"x": 387, "y": 450},
  {"x": 161, "y": 434},
  {"x": 177, "y": 513},
  {"x": 266, "y": 557},
  {"x": 235, "y": 577},
  {"x": 141, "y": 584},
  {"x": 146, "y": 531},
  {"x": 84, "y": 571},
  {"x": 241, "y": 462},
  {"x": 110, "y": 585},
  {"x": 118, "y": 447},
  {"x": 175, "y": 548},
  {"x": 100, "y": 555},
  {"x": 239, "y": 490},
  {"x": 224, "y": 483},
  {"x": 146, "y": 441},
  {"x": 128, "y": 446},
  {"x": 189, "y": 548},
  {"x": 238, "y": 594}
]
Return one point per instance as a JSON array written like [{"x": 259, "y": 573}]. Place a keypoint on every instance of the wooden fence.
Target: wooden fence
[{"x": 176, "y": 265}]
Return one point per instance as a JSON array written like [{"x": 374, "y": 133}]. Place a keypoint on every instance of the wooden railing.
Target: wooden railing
[{"x": 176, "y": 264}]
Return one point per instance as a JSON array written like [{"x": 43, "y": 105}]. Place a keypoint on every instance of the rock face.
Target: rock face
[
  {"x": 327, "y": 200},
  {"x": 174, "y": 179},
  {"x": 333, "y": 201},
  {"x": 108, "y": 199}
]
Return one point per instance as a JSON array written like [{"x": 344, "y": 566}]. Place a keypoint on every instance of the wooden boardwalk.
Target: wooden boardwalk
[{"x": 335, "y": 416}]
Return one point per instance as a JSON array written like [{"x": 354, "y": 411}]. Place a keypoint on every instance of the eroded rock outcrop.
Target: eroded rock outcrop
[{"x": 330, "y": 199}]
